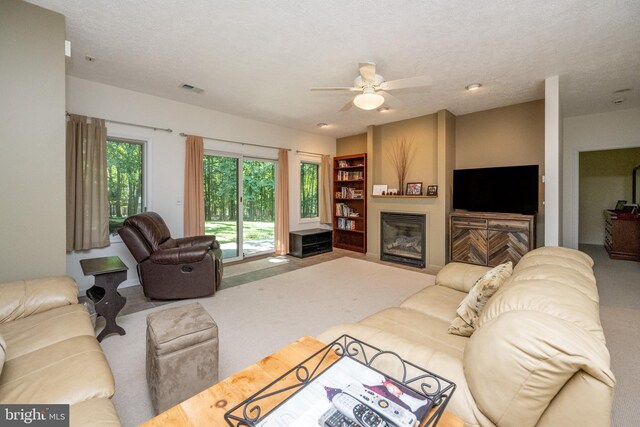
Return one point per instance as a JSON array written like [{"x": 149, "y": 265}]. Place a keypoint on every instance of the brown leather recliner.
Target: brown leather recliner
[{"x": 169, "y": 268}]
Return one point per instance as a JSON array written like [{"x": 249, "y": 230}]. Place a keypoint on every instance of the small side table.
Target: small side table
[{"x": 109, "y": 273}]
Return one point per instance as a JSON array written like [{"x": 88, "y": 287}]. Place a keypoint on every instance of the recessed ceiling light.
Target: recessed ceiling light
[
  {"x": 322, "y": 125},
  {"x": 619, "y": 100},
  {"x": 384, "y": 109},
  {"x": 473, "y": 86}
]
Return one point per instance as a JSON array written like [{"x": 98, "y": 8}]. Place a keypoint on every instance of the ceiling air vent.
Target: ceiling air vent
[{"x": 191, "y": 88}]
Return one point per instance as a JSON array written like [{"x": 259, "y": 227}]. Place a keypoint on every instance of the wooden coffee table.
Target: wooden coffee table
[{"x": 208, "y": 407}]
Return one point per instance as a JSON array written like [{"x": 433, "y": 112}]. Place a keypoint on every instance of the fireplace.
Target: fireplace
[{"x": 403, "y": 238}]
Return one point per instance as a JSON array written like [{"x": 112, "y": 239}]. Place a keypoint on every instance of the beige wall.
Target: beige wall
[
  {"x": 605, "y": 178},
  {"x": 591, "y": 132},
  {"x": 506, "y": 136},
  {"x": 432, "y": 136},
  {"x": 355, "y": 144},
  {"x": 32, "y": 138}
]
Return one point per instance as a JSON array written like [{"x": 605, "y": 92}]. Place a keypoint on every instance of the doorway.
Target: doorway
[
  {"x": 239, "y": 203},
  {"x": 605, "y": 179}
]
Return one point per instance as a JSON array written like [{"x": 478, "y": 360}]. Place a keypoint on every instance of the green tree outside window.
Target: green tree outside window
[{"x": 309, "y": 190}]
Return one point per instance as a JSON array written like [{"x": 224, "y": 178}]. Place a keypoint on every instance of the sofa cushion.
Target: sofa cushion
[
  {"x": 25, "y": 298},
  {"x": 43, "y": 329},
  {"x": 419, "y": 327},
  {"x": 460, "y": 276},
  {"x": 552, "y": 298},
  {"x": 3, "y": 352},
  {"x": 576, "y": 264},
  {"x": 562, "y": 275},
  {"x": 68, "y": 371},
  {"x": 440, "y": 302},
  {"x": 560, "y": 252},
  {"x": 472, "y": 305},
  {"x": 516, "y": 364},
  {"x": 98, "y": 412}
]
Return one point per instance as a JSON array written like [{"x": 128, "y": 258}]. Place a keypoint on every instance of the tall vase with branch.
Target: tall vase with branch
[{"x": 401, "y": 153}]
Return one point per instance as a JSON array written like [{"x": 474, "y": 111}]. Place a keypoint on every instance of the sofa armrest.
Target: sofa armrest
[
  {"x": 460, "y": 276},
  {"x": 23, "y": 298}
]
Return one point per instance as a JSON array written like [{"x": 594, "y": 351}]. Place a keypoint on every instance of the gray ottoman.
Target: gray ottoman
[{"x": 182, "y": 354}]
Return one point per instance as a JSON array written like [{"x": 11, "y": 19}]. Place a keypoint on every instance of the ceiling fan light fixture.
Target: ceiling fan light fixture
[{"x": 368, "y": 99}]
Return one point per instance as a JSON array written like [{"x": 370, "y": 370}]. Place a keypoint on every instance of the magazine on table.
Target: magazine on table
[{"x": 349, "y": 394}]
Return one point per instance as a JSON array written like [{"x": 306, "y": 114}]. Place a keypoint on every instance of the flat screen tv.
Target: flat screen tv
[{"x": 511, "y": 189}]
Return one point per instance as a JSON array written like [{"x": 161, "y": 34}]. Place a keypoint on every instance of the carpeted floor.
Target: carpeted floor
[
  {"x": 619, "y": 289},
  {"x": 257, "y": 318}
]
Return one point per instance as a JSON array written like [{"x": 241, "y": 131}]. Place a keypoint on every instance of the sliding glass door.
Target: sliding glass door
[{"x": 239, "y": 203}]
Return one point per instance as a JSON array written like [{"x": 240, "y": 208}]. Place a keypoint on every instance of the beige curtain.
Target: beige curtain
[
  {"x": 87, "y": 197},
  {"x": 324, "y": 202},
  {"x": 193, "y": 187},
  {"x": 282, "y": 203}
]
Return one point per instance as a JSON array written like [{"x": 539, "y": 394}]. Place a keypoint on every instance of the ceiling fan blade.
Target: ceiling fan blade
[
  {"x": 390, "y": 100},
  {"x": 406, "y": 83},
  {"x": 368, "y": 71},
  {"x": 335, "y": 88},
  {"x": 347, "y": 106}
]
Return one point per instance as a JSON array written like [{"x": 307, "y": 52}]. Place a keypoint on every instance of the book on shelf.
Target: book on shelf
[
  {"x": 350, "y": 175},
  {"x": 346, "y": 224},
  {"x": 342, "y": 209},
  {"x": 349, "y": 193}
]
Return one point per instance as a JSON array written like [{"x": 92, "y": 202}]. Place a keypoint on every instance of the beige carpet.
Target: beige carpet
[
  {"x": 257, "y": 318},
  {"x": 619, "y": 288}
]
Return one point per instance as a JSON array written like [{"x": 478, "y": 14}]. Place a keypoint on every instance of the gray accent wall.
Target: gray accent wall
[{"x": 32, "y": 141}]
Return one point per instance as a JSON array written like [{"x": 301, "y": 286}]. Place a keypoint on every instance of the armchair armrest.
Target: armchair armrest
[
  {"x": 208, "y": 240},
  {"x": 23, "y": 298},
  {"x": 184, "y": 255}
]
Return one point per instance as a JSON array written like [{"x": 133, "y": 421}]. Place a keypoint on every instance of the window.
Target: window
[
  {"x": 309, "y": 190},
  {"x": 125, "y": 180}
]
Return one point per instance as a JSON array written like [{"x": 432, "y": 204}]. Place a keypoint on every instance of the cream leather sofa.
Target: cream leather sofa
[
  {"x": 52, "y": 355},
  {"x": 538, "y": 356}
]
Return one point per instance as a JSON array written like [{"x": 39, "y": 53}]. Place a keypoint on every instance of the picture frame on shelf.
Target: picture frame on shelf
[
  {"x": 379, "y": 189},
  {"x": 620, "y": 204},
  {"x": 432, "y": 190},
  {"x": 414, "y": 189}
]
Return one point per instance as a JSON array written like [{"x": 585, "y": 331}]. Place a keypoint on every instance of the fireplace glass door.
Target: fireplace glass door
[{"x": 402, "y": 238}]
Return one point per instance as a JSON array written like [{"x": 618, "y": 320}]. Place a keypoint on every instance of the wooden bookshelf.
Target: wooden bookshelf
[{"x": 350, "y": 202}]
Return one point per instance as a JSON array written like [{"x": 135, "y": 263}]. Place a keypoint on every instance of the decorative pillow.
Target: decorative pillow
[
  {"x": 3, "y": 352},
  {"x": 472, "y": 305}
]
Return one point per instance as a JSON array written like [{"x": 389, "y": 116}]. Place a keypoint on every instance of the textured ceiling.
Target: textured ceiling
[{"x": 258, "y": 59}]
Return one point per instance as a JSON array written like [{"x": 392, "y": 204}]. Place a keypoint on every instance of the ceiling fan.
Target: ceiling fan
[{"x": 372, "y": 86}]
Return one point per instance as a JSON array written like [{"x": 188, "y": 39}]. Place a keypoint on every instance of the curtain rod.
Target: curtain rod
[
  {"x": 311, "y": 153},
  {"x": 236, "y": 142},
  {"x": 168, "y": 130}
]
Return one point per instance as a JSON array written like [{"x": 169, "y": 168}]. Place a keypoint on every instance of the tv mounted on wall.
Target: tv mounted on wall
[{"x": 511, "y": 189}]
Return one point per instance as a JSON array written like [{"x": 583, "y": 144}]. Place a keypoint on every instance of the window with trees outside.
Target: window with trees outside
[
  {"x": 309, "y": 189},
  {"x": 125, "y": 183}
]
